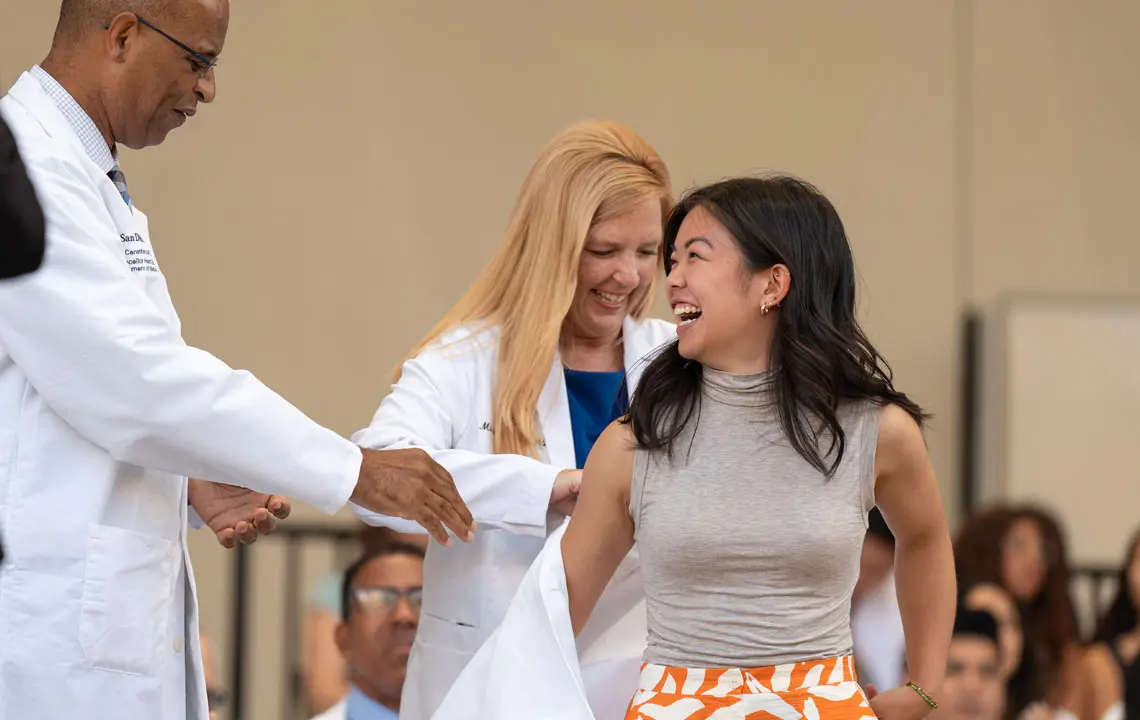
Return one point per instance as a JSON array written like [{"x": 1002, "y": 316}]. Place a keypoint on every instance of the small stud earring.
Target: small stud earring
[{"x": 764, "y": 309}]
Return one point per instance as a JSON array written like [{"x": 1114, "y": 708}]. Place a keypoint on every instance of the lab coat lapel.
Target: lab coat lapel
[
  {"x": 554, "y": 417},
  {"x": 28, "y": 92},
  {"x": 140, "y": 256},
  {"x": 134, "y": 232},
  {"x": 554, "y": 404}
]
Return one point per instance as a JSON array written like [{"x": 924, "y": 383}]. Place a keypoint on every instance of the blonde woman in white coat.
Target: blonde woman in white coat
[{"x": 510, "y": 389}]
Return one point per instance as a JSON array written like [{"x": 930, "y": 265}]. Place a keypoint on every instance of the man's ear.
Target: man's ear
[
  {"x": 118, "y": 34},
  {"x": 342, "y": 638}
]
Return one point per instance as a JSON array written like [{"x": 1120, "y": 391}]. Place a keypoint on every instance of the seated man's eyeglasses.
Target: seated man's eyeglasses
[{"x": 385, "y": 598}]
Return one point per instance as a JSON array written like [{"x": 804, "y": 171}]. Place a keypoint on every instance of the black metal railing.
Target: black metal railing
[{"x": 1097, "y": 581}]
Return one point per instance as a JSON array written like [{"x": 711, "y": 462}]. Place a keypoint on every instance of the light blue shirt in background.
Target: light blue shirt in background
[{"x": 359, "y": 706}]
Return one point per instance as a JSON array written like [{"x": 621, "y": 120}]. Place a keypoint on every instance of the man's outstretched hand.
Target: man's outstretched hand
[
  {"x": 409, "y": 484},
  {"x": 235, "y": 513}
]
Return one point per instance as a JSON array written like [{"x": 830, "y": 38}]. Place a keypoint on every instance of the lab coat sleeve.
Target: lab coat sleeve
[
  {"x": 510, "y": 492},
  {"x": 100, "y": 353}
]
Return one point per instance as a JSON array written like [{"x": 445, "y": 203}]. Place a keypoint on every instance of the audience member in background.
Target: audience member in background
[
  {"x": 1056, "y": 546},
  {"x": 1022, "y": 550},
  {"x": 380, "y": 611},
  {"x": 999, "y": 604},
  {"x": 989, "y": 598},
  {"x": 974, "y": 688},
  {"x": 876, "y": 625},
  {"x": 1112, "y": 664},
  {"x": 324, "y": 671}
]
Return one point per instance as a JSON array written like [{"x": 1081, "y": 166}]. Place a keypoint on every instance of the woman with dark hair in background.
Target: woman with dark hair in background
[
  {"x": 1022, "y": 550},
  {"x": 753, "y": 451},
  {"x": 1112, "y": 664}
]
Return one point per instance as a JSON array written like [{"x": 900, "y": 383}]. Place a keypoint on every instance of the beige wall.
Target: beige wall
[
  {"x": 971, "y": 147},
  {"x": 1056, "y": 127}
]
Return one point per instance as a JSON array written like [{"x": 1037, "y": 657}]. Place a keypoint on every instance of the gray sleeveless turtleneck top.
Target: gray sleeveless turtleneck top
[{"x": 749, "y": 554}]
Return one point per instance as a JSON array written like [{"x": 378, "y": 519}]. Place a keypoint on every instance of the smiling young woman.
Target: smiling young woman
[{"x": 754, "y": 448}]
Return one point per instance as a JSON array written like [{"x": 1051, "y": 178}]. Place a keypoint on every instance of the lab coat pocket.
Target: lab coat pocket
[
  {"x": 442, "y": 650},
  {"x": 448, "y": 635},
  {"x": 128, "y": 588}
]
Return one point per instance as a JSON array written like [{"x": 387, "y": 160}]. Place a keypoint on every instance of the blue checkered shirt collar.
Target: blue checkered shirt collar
[{"x": 80, "y": 121}]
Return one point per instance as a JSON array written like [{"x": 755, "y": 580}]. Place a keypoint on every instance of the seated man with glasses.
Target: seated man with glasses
[
  {"x": 380, "y": 611},
  {"x": 974, "y": 688}
]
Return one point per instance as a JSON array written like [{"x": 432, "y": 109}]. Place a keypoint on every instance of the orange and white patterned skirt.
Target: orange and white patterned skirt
[{"x": 825, "y": 689}]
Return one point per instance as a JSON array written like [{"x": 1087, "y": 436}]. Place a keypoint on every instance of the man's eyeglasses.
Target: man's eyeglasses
[
  {"x": 385, "y": 598},
  {"x": 199, "y": 63}
]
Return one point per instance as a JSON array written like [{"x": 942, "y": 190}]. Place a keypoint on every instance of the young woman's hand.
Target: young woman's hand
[{"x": 900, "y": 703}]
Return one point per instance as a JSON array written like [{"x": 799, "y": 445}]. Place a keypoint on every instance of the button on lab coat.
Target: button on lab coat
[
  {"x": 104, "y": 412},
  {"x": 443, "y": 403}
]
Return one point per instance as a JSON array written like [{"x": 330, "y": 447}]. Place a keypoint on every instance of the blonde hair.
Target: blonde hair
[{"x": 587, "y": 174}]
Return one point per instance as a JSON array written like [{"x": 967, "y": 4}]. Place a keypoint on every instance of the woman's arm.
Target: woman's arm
[
  {"x": 600, "y": 533},
  {"x": 906, "y": 492}
]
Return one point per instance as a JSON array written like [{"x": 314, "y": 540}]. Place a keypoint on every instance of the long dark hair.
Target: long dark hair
[
  {"x": 1121, "y": 617},
  {"x": 1048, "y": 620},
  {"x": 819, "y": 354}
]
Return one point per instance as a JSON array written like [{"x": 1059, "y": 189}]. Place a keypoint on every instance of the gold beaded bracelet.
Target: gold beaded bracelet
[{"x": 922, "y": 694}]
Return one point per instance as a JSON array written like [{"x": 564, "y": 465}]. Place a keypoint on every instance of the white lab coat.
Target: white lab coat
[
  {"x": 443, "y": 403},
  {"x": 529, "y": 668},
  {"x": 104, "y": 412}
]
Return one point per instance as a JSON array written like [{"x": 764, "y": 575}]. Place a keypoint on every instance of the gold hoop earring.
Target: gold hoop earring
[{"x": 764, "y": 309}]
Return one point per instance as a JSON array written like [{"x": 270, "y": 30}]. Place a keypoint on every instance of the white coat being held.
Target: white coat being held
[
  {"x": 528, "y": 668},
  {"x": 443, "y": 403}
]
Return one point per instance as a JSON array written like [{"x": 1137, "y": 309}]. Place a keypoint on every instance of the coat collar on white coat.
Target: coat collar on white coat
[
  {"x": 554, "y": 404},
  {"x": 28, "y": 93}
]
